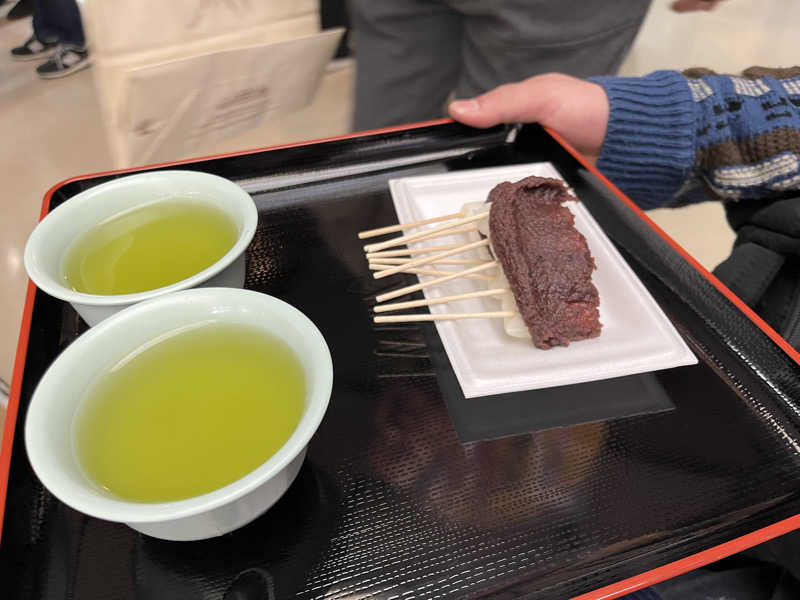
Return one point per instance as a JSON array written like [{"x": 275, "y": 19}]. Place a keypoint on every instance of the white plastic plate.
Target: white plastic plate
[{"x": 637, "y": 337}]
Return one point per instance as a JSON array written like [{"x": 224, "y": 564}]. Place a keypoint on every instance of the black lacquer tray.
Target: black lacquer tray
[{"x": 390, "y": 504}]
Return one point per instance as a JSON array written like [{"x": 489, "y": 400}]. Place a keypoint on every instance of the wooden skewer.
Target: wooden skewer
[
  {"x": 444, "y": 317},
  {"x": 418, "y": 286},
  {"x": 412, "y": 251},
  {"x": 464, "y": 229},
  {"x": 417, "y": 262},
  {"x": 402, "y": 226},
  {"x": 404, "y": 239},
  {"x": 443, "y": 300},
  {"x": 433, "y": 272},
  {"x": 444, "y": 261}
]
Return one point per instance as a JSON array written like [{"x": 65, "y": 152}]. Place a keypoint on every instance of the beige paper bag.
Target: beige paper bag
[
  {"x": 110, "y": 72},
  {"x": 172, "y": 109},
  {"x": 130, "y": 26}
]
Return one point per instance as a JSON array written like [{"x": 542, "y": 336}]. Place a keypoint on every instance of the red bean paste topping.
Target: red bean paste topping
[{"x": 546, "y": 260}]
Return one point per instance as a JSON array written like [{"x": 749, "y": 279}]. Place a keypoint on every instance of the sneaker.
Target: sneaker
[
  {"x": 22, "y": 9},
  {"x": 65, "y": 61},
  {"x": 33, "y": 49}
]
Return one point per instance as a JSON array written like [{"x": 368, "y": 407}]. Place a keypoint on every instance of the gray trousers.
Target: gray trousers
[{"x": 412, "y": 54}]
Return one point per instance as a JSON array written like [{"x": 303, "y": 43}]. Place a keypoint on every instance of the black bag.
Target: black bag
[{"x": 764, "y": 266}]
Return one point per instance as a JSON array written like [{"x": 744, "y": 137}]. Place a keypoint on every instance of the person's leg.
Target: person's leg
[
  {"x": 71, "y": 56},
  {"x": 62, "y": 18},
  {"x": 43, "y": 41},
  {"x": 407, "y": 60},
  {"x": 510, "y": 40},
  {"x": 43, "y": 28}
]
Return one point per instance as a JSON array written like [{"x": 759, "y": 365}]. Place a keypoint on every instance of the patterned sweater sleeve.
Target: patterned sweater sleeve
[{"x": 676, "y": 139}]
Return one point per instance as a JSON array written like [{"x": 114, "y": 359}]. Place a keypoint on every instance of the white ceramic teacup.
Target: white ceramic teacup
[
  {"x": 50, "y": 239},
  {"x": 49, "y": 425}
]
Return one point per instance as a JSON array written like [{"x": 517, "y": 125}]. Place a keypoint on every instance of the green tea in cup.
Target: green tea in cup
[
  {"x": 148, "y": 247},
  {"x": 190, "y": 412}
]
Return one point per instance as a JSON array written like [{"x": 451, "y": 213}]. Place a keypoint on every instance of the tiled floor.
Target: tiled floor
[{"x": 51, "y": 130}]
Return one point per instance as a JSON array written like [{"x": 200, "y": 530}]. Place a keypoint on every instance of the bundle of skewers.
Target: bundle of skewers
[{"x": 438, "y": 262}]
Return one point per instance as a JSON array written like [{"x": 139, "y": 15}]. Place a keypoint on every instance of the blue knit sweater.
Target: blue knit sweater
[{"x": 675, "y": 140}]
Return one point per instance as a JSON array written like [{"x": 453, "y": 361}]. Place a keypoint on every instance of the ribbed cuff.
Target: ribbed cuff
[{"x": 649, "y": 148}]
